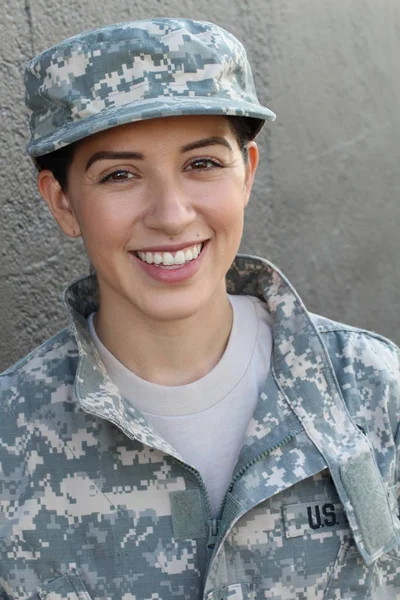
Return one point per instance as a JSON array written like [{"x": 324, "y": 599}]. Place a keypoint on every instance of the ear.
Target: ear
[
  {"x": 251, "y": 167},
  {"x": 59, "y": 203}
]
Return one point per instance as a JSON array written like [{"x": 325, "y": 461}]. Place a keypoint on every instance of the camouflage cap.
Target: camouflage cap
[{"x": 134, "y": 71}]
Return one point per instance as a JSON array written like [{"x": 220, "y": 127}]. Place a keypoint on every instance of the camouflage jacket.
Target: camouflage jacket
[{"x": 95, "y": 505}]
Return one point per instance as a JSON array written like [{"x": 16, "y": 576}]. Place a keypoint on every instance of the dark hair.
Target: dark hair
[
  {"x": 59, "y": 161},
  {"x": 245, "y": 130}
]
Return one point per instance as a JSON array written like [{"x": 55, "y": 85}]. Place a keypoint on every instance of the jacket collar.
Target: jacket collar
[
  {"x": 94, "y": 389},
  {"x": 300, "y": 362}
]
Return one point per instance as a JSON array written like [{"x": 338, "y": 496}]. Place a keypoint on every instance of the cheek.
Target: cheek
[
  {"x": 228, "y": 221},
  {"x": 225, "y": 209},
  {"x": 103, "y": 223}
]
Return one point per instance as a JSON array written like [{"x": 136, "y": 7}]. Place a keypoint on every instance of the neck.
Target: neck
[{"x": 167, "y": 353}]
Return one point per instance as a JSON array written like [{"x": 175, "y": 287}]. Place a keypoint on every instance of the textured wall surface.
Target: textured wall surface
[{"x": 326, "y": 202}]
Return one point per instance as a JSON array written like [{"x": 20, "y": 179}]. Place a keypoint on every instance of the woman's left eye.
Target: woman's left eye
[
  {"x": 118, "y": 176},
  {"x": 203, "y": 164}
]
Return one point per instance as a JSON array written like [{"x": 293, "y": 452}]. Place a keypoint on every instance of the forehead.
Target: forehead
[{"x": 174, "y": 131}]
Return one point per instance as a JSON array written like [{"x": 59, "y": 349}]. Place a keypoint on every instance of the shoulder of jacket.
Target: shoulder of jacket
[
  {"x": 336, "y": 333},
  {"x": 37, "y": 364},
  {"x": 326, "y": 325}
]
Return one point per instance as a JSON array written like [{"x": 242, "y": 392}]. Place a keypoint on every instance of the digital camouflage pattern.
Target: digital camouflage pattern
[
  {"x": 134, "y": 71},
  {"x": 86, "y": 484}
]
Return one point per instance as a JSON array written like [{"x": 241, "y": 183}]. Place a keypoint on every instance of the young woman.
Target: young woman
[{"x": 196, "y": 432}]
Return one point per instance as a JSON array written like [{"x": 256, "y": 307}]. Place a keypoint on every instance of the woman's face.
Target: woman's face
[{"x": 159, "y": 205}]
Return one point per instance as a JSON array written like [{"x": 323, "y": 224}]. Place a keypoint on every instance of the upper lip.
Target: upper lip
[{"x": 173, "y": 248}]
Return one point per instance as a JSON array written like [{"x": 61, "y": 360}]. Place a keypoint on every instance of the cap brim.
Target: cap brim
[{"x": 144, "y": 110}]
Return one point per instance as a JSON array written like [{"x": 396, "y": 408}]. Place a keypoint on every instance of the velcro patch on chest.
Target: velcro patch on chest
[
  {"x": 187, "y": 514},
  {"x": 313, "y": 517}
]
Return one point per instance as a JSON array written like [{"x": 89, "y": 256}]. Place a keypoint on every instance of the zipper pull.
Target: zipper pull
[{"x": 212, "y": 534}]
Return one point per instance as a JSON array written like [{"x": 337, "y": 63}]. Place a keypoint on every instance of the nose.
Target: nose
[{"x": 168, "y": 209}]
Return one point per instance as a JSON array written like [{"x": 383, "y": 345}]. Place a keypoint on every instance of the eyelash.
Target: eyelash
[
  {"x": 214, "y": 163},
  {"x": 109, "y": 178}
]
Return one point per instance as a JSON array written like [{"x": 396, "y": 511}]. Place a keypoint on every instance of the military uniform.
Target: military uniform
[{"x": 94, "y": 504}]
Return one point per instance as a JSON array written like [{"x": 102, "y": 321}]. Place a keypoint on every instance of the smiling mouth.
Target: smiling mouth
[{"x": 171, "y": 259}]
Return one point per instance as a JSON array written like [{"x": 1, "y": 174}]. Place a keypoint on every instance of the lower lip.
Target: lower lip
[{"x": 177, "y": 275}]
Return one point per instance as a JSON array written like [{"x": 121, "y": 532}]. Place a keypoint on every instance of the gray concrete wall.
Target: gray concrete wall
[{"x": 326, "y": 202}]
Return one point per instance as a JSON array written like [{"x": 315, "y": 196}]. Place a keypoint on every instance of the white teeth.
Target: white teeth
[
  {"x": 167, "y": 259},
  {"x": 180, "y": 258},
  {"x": 171, "y": 258}
]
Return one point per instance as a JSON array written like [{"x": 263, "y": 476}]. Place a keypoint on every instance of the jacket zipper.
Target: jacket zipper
[
  {"x": 212, "y": 534},
  {"x": 214, "y": 523},
  {"x": 253, "y": 462},
  {"x": 245, "y": 467}
]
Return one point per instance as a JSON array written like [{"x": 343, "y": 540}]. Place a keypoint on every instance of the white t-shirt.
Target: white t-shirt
[{"x": 205, "y": 421}]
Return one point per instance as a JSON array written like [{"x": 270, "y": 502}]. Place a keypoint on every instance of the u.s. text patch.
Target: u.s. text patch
[{"x": 313, "y": 517}]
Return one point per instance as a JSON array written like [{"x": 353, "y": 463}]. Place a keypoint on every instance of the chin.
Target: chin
[
  {"x": 170, "y": 312},
  {"x": 174, "y": 305}
]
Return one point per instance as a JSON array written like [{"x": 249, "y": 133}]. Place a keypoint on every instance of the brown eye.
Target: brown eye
[
  {"x": 119, "y": 176},
  {"x": 203, "y": 164}
]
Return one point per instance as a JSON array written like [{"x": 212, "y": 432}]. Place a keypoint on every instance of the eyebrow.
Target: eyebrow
[
  {"x": 210, "y": 141},
  {"x": 111, "y": 155},
  {"x": 114, "y": 155}
]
